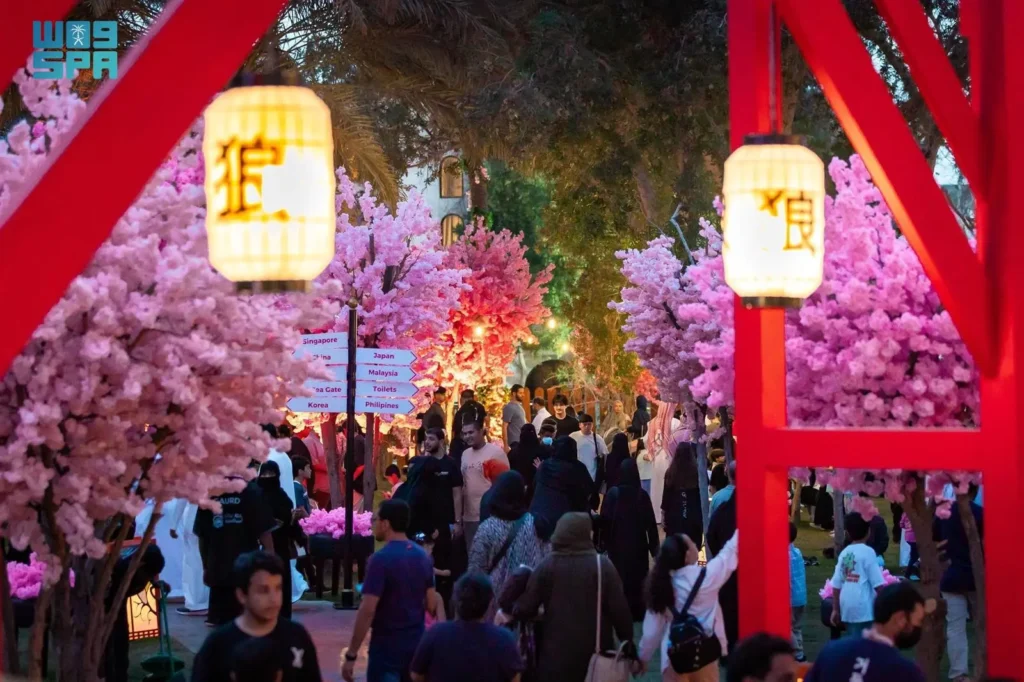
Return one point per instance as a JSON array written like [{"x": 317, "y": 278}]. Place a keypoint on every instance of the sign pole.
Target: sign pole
[{"x": 348, "y": 592}]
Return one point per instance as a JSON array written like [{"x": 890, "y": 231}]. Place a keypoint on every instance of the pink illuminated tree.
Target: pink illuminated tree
[
  {"x": 148, "y": 380},
  {"x": 391, "y": 264},
  {"x": 497, "y": 309},
  {"x": 873, "y": 347}
]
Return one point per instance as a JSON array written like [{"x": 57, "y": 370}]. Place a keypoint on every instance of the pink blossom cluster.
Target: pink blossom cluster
[
  {"x": 826, "y": 591},
  {"x": 426, "y": 289},
  {"x": 873, "y": 347},
  {"x": 150, "y": 377},
  {"x": 332, "y": 523},
  {"x": 496, "y": 310},
  {"x": 26, "y": 580}
]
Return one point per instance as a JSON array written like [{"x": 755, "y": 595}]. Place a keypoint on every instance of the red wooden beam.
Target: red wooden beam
[
  {"x": 939, "y": 85},
  {"x": 760, "y": 354},
  {"x": 922, "y": 449},
  {"x": 16, "y": 33},
  {"x": 835, "y": 54},
  {"x": 127, "y": 131}
]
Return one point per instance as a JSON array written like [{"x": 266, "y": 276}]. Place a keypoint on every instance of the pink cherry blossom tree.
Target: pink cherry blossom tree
[
  {"x": 148, "y": 380},
  {"x": 495, "y": 312},
  {"x": 391, "y": 264},
  {"x": 873, "y": 347}
]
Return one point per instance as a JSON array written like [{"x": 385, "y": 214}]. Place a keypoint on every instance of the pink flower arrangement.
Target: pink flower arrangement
[
  {"x": 826, "y": 591},
  {"x": 27, "y": 579},
  {"x": 332, "y": 523}
]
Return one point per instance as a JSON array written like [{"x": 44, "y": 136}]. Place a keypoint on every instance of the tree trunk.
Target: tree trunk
[
  {"x": 329, "y": 431},
  {"x": 933, "y": 637},
  {"x": 978, "y": 569},
  {"x": 839, "y": 519},
  {"x": 38, "y": 636},
  {"x": 700, "y": 430},
  {"x": 794, "y": 509},
  {"x": 477, "y": 191},
  {"x": 12, "y": 665}
]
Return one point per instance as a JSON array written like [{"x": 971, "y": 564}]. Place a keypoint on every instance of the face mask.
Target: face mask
[
  {"x": 908, "y": 640},
  {"x": 547, "y": 440}
]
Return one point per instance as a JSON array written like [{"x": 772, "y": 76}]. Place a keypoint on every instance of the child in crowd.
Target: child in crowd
[
  {"x": 394, "y": 476},
  {"x": 856, "y": 580},
  {"x": 427, "y": 543},
  {"x": 797, "y": 594},
  {"x": 913, "y": 570}
]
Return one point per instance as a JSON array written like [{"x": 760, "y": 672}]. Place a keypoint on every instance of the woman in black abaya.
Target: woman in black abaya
[{"x": 284, "y": 531}]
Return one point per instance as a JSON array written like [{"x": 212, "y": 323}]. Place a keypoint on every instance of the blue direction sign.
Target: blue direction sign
[
  {"x": 383, "y": 405},
  {"x": 317, "y": 404},
  {"x": 363, "y": 388},
  {"x": 375, "y": 373}
]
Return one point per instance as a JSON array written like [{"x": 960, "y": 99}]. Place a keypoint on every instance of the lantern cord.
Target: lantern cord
[{"x": 773, "y": 67}]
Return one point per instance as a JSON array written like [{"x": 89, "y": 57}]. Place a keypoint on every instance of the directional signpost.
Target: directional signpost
[{"x": 369, "y": 380}]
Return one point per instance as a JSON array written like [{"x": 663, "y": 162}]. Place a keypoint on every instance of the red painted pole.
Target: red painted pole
[
  {"x": 762, "y": 513},
  {"x": 16, "y": 36},
  {"x": 997, "y": 55}
]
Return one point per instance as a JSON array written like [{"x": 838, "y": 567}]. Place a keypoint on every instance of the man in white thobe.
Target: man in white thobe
[{"x": 182, "y": 515}]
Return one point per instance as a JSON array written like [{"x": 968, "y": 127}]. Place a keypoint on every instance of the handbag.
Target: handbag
[
  {"x": 512, "y": 533},
  {"x": 689, "y": 648},
  {"x": 606, "y": 666}
]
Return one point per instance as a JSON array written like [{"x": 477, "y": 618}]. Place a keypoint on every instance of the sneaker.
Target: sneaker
[{"x": 181, "y": 610}]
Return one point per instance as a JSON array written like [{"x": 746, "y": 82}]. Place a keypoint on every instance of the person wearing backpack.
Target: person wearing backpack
[{"x": 683, "y": 617}]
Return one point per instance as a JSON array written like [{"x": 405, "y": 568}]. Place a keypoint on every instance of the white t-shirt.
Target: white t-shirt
[
  {"x": 474, "y": 481},
  {"x": 587, "y": 452},
  {"x": 858, "y": 576},
  {"x": 539, "y": 418}
]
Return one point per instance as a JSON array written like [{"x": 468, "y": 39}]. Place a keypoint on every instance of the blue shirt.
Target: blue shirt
[
  {"x": 720, "y": 498},
  {"x": 301, "y": 497},
  {"x": 797, "y": 578},
  {"x": 399, "y": 574},
  {"x": 859, "y": 658},
  {"x": 461, "y": 651}
]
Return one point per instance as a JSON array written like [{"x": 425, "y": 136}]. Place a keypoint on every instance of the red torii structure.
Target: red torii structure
[{"x": 983, "y": 290}]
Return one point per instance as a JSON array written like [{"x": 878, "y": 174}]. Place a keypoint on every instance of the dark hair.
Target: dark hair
[
  {"x": 560, "y": 400},
  {"x": 515, "y": 388},
  {"x": 248, "y": 564},
  {"x": 548, "y": 427},
  {"x": 299, "y": 463},
  {"x": 474, "y": 423},
  {"x": 660, "y": 595},
  {"x": 719, "y": 479},
  {"x": 538, "y": 401},
  {"x": 682, "y": 472},
  {"x": 270, "y": 430},
  {"x": 731, "y": 469},
  {"x": 856, "y": 526},
  {"x": 393, "y": 470},
  {"x": 467, "y": 392},
  {"x": 792, "y": 532},
  {"x": 896, "y": 598},
  {"x": 585, "y": 418},
  {"x": 437, "y": 433},
  {"x": 441, "y": 390},
  {"x": 396, "y": 513},
  {"x": 753, "y": 656},
  {"x": 472, "y": 594},
  {"x": 257, "y": 659}
]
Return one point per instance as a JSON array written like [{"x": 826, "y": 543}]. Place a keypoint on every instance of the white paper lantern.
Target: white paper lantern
[
  {"x": 774, "y": 221},
  {"x": 270, "y": 184}
]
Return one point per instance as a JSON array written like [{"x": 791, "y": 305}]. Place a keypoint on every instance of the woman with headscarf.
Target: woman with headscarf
[
  {"x": 680, "y": 504},
  {"x": 562, "y": 485},
  {"x": 284, "y": 530},
  {"x": 524, "y": 454},
  {"x": 507, "y": 539},
  {"x": 619, "y": 453},
  {"x": 631, "y": 534},
  {"x": 638, "y": 429},
  {"x": 565, "y": 583}
]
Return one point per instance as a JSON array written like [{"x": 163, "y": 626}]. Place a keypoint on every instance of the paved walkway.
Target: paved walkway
[{"x": 331, "y": 631}]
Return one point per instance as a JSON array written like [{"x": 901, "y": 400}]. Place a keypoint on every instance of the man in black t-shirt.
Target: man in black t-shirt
[
  {"x": 565, "y": 424},
  {"x": 258, "y": 590},
  {"x": 243, "y": 524}
]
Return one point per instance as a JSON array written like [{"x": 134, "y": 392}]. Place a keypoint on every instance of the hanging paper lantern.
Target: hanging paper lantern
[
  {"x": 270, "y": 186},
  {"x": 774, "y": 222}
]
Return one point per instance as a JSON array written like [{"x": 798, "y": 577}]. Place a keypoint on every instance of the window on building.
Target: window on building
[
  {"x": 451, "y": 178},
  {"x": 449, "y": 224}
]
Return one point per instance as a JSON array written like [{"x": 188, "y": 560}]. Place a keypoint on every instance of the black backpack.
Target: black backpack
[{"x": 689, "y": 649}]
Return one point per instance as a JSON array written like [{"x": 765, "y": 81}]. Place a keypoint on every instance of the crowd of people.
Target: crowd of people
[{"x": 548, "y": 551}]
